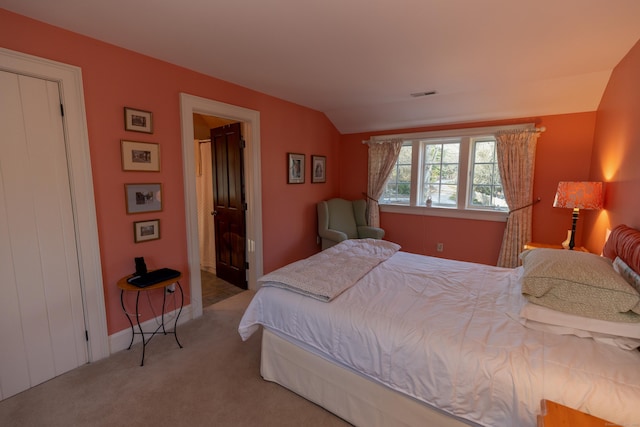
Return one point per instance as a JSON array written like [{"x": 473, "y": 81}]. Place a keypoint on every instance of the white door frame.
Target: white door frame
[
  {"x": 69, "y": 79},
  {"x": 190, "y": 104}
]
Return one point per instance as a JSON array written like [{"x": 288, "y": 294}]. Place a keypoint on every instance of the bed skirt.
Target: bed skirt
[{"x": 351, "y": 396}]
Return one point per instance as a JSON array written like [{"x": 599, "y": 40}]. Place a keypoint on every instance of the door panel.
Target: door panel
[
  {"x": 41, "y": 311},
  {"x": 228, "y": 202}
]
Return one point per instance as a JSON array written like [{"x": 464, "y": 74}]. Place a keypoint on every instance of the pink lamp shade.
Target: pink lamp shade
[{"x": 579, "y": 195}]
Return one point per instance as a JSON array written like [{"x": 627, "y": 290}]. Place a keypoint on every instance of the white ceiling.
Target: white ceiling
[{"x": 358, "y": 61}]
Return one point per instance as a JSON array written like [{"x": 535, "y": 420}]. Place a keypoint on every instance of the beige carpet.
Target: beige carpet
[{"x": 213, "y": 381}]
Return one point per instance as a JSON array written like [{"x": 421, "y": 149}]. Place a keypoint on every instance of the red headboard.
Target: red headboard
[{"x": 624, "y": 242}]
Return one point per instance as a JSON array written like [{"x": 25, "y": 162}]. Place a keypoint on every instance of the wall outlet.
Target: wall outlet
[
  {"x": 440, "y": 247},
  {"x": 171, "y": 288}
]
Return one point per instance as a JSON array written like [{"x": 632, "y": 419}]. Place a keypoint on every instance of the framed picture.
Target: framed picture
[
  {"x": 146, "y": 230},
  {"x": 140, "y": 156},
  {"x": 138, "y": 120},
  {"x": 142, "y": 198},
  {"x": 295, "y": 168},
  {"x": 318, "y": 169}
]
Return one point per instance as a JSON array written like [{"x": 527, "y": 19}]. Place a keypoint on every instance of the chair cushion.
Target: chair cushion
[
  {"x": 341, "y": 217},
  {"x": 360, "y": 212}
]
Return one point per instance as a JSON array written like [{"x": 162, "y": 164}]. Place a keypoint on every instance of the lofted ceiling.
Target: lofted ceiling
[{"x": 359, "y": 61}]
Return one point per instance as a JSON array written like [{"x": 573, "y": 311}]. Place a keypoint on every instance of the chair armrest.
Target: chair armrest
[
  {"x": 335, "y": 235},
  {"x": 368, "y": 232},
  {"x": 323, "y": 225}
]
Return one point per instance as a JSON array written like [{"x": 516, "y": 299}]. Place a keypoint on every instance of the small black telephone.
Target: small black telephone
[{"x": 141, "y": 267}]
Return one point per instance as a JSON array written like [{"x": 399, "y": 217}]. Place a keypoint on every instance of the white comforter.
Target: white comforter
[{"x": 445, "y": 332}]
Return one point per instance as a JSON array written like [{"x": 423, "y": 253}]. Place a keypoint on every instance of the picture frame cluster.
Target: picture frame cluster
[
  {"x": 146, "y": 230},
  {"x": 138, "y": 120},
  {"x": 138, "y": 156},
  {"x": 296, "y": 168}
]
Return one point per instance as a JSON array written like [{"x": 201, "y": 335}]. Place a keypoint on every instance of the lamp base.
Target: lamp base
[{"x": 574, "y": 219}]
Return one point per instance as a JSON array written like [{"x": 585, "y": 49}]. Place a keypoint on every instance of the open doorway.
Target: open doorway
[
  {"x": 214, "y": 287},
  {"x": 250, "y": 119}
]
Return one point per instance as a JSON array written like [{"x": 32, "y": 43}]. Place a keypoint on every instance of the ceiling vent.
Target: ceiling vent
[{"x": 419, "y": 94}]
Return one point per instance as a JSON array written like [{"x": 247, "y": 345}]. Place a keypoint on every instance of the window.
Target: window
[
  {"x": 486, "y": 187},
  {"x": 399, "y": 183},
  {"x": 440, "y": 172},
  {"x": 457, "y": 170}
]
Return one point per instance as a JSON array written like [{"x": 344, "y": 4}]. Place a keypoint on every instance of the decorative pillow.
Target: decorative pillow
[
  {"x": 624, "y": 242},
  {"x": 619, "y": 334},
  {"x": 578, "y": 283},
  {"x": 627, "y": 273}
]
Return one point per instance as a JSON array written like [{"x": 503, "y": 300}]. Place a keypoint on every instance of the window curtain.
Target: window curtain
[
  {"x": 516, "y": 152},
  {"x": 383, "y": 155}
]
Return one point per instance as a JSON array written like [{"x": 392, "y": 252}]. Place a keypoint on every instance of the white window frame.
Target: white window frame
[{"x": 463, "y": 209}]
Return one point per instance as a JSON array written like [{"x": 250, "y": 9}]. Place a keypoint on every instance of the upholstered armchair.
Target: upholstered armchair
[{"x": 340, "y": 219}]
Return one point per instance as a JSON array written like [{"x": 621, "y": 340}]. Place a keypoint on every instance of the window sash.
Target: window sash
[
  {"x": 493, "y": 185},
  {"x": 441, "y": 156},
  {"x": 399, "y": 182}
]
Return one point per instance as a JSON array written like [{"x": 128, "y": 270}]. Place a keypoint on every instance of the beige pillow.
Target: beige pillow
[{"x": 578, "y": 283}]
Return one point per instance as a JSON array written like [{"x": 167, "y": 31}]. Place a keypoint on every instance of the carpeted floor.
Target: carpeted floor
[{"x": 213, "y": 381}]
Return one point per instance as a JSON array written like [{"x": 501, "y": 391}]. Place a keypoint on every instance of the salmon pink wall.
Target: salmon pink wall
[
  {"x": 616, "y": 150},
  {"x": 289, "y": 210},
  {"x": 464, "y": 240},
  {"x": 114, "y": 78},
  {"x": 563, "y": 153}
]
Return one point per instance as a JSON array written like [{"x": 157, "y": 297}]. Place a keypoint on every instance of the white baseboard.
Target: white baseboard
[{"x": 120, "y": 340}]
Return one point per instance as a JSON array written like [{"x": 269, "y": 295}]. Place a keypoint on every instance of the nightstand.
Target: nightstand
[
  {"x": 534, "y": 245},
  {"x": 555, "y": 415},
  {"x": 125, "y": 286}
]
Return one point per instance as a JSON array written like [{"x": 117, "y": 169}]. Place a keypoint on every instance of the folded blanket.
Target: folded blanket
[{"x": 327, "y": 274}]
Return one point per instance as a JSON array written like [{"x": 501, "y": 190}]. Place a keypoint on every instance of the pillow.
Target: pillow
[
  {"x": 627, "y": 273},
  {"x": 578, "y": 283},
  {"x": 624, "y": 242},
  {"x": 620, "y": 334}
]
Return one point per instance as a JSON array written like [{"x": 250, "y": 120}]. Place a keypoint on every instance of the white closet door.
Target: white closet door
[{"x": 42, "y": 330}]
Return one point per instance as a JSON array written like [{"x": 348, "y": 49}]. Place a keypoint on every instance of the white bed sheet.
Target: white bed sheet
[{"x": 444, "y": 333}]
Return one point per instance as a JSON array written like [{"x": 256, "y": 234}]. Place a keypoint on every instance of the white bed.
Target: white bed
[{"x": 427, "y": 341}]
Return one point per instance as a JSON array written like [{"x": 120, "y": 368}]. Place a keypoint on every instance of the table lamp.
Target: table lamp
[{"x": 578, "y": 195}]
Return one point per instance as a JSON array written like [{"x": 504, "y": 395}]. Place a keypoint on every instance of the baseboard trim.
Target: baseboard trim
[{"x": 120, "y": 340}]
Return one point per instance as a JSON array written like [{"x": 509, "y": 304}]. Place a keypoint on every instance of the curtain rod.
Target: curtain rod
[
  {"x": 457, "y": 132},
  {"x": 540, "y": 129}
]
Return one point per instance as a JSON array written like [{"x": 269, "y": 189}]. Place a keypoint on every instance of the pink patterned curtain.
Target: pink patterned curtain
[
  {"x": 383, "y": 155},
  {"x": 516, "y": 152}
]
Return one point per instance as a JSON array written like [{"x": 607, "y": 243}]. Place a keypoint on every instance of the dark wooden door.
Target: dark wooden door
[{"x": 229, "y": 204}]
